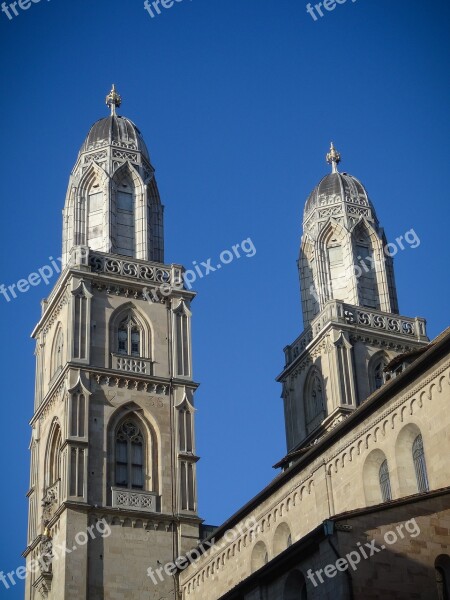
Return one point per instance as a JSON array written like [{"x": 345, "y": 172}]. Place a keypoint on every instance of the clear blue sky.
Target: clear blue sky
[{"x": 238, "y": 101}]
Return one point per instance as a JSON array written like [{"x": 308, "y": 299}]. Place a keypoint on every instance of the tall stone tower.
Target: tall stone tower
[
  {"x": 113, "y": 463},
  {"x": 350, "y": 311}
]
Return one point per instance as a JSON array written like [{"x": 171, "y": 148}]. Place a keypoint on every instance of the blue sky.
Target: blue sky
[{"x": 238, "y": 101}]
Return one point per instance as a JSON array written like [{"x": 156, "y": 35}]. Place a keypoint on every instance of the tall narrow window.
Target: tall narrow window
[
  {"x": 95, "y": 220},
  {"x": 182, "y": 331},
  {"x": 77, "y": 456},
  {"x": 376, "y": 368},
  {"x": 365, "y": 269},
  {"x": 441, "y": 584},
  {"x": 58, "y": 352},
  {"x": 130, "y": 456},
  {"x": 129, "y": 338},
  {"x": 185, "y": 430},
  {"x": 338, "y": 278},
  {"x": 378, "y": 374},
  {"x": 442, "y": 571},
  {"x": 54, "y": 464},
  {"x": 79, "y": 336},
  {"x": 295, "y": 587},
  {"x": 125, "y": 222},
  {"x": 420, "y": 465},
  {"x": 314, "y": 401},
  {"x": 77, "y": 415},
  {"x": 187, "y": 486},
  {"x": 385, "y": 482}
]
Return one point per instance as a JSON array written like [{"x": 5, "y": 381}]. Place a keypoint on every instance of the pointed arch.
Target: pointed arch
[
  {"x": 295, "y": 587},
  {"x": 332, "y": 272},
  {"x": 182, "y": 329},
  {"x": 307, "y": 265},
  {"x": 129, "y": 216},
  {"x": 57, "y": 358},
  {"x": 130, "y": 332},
  {"x": 375, "y": 370},
  {"x": 368, "y": 258},
  {"x": 53, "y": 454},
  {"x": 90, "y": 210},
  {"x": 133, "y": 450},
  {"x": 314, "y": 399},
  {"x": 442, "y": 572},
  {"x": 185, "y": 417}
]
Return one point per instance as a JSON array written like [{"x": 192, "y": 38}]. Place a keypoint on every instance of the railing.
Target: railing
[
  {"x": 383, "y": 321},
  {"x": 296, "y": 348},
  {"x": 359, "y": 317},
  {"x": 134, "y": 500},
  {"x": 146, "y": 271},
  {"x": 129, "y": 364}
]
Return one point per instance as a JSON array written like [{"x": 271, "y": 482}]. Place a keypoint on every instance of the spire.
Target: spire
[
  {"x": 113, "y": 100},
  {"x": 333, "y": 158}
]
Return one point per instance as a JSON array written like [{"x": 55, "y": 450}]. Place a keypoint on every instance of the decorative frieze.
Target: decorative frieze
[
  {"x": 102, "y": 263},
  {"x": 132, "y": 383},
  {"x": 352, "y": 315},
  {"x": 134, "y": 500}
]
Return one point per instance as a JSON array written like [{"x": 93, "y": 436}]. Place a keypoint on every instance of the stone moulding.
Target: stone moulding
[{"x": 161, "y": 389}]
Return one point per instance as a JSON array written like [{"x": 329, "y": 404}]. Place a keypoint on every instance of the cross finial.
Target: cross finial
[
  {"x": 113, "y": 100},
  {"x": 333, "y": 158}
]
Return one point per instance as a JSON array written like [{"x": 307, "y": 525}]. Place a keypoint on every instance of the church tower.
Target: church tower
[
  {"x": 113, "y": 462},
  {"x": 350, "y": 310}
]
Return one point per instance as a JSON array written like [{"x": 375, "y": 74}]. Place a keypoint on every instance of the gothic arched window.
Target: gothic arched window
[
  {"x": 295, "y": 587},
  {"x": 54, "y": 456},
  {"x": 125, "y": 215},
  {"x": 377, "y": 365},
  {"x": 314, "y": 401},
  {"x": 58, "y": 352},
  {"x": 182, "y": 337},
  {"x": 442, "y": 571},
  {"x": 129, "y": 337},
  {"x": 95, "y": 218},
  {"x": 130, "y": 455},
  {"x": 420, "y": 465},
  {"x": 365, "y": 269},
  {"x": 385, "y": 482},
  {"x": 378, "y": 374},
  {"x": 338, "y": 279},
  {"x": 185, "y": 430}
]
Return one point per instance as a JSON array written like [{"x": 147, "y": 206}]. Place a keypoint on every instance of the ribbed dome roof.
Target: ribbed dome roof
[
  {"x": 340, "y": 186},
  {"x": 337, "y": 187},
  {"x": 115, "y": 130}
]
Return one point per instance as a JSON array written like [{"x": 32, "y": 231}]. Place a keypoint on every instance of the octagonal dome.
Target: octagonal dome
[{"x": 115, "y": 130}]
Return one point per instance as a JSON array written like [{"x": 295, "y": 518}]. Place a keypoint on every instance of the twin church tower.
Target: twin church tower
[{"x": 113, "y": 436}]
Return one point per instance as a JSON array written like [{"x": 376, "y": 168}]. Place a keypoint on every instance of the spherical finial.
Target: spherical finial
[
  {"x": 113, "y": 100},
  {"x": 333, "y": 158}
]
